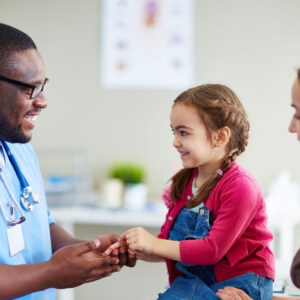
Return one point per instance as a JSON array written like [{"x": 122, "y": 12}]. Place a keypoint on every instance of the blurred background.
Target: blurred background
[{"x": 93, "y": 124}]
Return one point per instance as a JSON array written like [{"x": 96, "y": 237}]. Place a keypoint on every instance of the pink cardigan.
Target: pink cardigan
[{"x": 238, "y": 241}]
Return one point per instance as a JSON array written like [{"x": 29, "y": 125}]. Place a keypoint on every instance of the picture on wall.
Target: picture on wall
[{"x": 147, "y": 44}]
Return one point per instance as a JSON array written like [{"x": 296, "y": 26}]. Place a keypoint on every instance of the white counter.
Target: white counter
[{"x": 97, "y": 215}]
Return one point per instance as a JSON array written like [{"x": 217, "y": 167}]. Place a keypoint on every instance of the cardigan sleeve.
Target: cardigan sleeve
[
  {"x": 236, "y": 204},
  {"x": 295, "y": 270}
]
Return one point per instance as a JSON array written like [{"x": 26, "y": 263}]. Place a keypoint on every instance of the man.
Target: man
[{"x": 36, "y": 255}]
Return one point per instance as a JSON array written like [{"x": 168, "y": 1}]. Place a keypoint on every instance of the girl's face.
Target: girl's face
[
  {"x": 295, "y": 122},
  {"x": 191, "y": 138}
]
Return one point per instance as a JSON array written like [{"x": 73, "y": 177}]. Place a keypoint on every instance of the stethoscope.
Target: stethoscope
[{"x": 28, "y": 197}]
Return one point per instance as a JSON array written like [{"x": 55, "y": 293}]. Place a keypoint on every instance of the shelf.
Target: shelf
[{"x": 96, "y": 215}]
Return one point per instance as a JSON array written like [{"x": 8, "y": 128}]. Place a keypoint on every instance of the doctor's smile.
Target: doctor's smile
[{"x": 30, "y": 119}]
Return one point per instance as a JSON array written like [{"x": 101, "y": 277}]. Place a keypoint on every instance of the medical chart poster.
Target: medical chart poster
[{"x": 147, "y": 44}]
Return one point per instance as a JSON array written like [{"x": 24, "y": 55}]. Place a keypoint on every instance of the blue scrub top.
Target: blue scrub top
[{"x": 36, "y": 226}]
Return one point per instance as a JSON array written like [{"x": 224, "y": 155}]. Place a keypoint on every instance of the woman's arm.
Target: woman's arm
[{"x": 231, "y": 293}]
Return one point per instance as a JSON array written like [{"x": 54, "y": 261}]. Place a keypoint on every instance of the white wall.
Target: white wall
[{"x": 253, "y": 46}]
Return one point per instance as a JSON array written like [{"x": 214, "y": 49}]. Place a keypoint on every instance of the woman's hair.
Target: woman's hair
[
  {"x": 298, "y": 74},
  {"x": 218, "y": 106}
]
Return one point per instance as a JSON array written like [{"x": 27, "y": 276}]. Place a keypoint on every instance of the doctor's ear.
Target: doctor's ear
[{"x": 221, "y": 136}]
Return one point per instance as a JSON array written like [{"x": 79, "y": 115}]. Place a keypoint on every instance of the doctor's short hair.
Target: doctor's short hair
[{"x": 12, "y": 41}]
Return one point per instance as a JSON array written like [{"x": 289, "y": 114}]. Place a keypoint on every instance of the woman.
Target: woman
[{"x": 231, "y": 293}]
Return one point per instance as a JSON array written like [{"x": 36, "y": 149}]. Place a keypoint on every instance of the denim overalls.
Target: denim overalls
[{"x": 198, "y": 282}]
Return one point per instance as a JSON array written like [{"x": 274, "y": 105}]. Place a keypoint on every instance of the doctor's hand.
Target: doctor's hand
[{"x": 69, "y": 267}]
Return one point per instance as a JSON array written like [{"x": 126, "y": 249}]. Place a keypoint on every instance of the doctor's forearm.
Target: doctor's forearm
[
  {"x": 20, "y": 280},
  {"x": 67, "y": 268},
  {"x": 61, "y": 238}
]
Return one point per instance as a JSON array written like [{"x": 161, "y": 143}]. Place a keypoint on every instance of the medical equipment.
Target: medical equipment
[
  {"x": 11, "y": 206},
  {"x": 28, "y": 197}
]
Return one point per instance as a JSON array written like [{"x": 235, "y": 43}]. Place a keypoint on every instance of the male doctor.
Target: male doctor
[{"x": 36, "y": 255}]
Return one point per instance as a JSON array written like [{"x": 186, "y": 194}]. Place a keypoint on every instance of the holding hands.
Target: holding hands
[
  {"x": 122, "y": 254},
  {"x": 79, "y": 263},
  {"x": 139, "y": 240},
  {"x": 139, "y": 243},
  {"x": 84, "y": 262}
]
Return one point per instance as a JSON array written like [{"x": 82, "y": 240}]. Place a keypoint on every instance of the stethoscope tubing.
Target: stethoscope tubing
[
  {"x": 11, "y": 221},
  {"x": 12, "y": 159},
  {"x": 27, "y": 192}
]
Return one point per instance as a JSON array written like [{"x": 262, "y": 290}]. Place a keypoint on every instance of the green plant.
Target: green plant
[{"x": 127, "y": 173}]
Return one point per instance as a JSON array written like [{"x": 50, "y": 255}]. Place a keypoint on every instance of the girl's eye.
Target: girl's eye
[{"x": 183, "y": 133}]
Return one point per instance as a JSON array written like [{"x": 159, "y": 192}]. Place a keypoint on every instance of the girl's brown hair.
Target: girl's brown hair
[{"x": 218, "y": 106}]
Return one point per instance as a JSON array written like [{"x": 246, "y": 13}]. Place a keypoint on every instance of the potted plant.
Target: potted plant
[{"x": 132, "y": 176}]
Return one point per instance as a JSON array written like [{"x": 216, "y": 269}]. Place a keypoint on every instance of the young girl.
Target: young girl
[{"x": 215, "y": 233}]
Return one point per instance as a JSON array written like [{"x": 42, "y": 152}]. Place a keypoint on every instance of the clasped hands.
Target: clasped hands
[
  {"x": 79, "y": 263},
  {"x": 138, "y": 242}
]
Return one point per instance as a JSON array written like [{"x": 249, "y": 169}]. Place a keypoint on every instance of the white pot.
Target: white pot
[
  {"x": 113, "y": 193},
  {"x": 135, "y": 196}
]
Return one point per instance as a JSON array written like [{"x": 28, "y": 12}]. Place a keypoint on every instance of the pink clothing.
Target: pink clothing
[{"x": 238, "y": 241}]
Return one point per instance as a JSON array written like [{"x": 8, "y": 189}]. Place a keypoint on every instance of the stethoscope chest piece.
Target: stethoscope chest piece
[{"x": 29, "y": 198}]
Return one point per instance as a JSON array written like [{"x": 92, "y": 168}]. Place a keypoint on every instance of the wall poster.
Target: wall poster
[{"x": 147, "y": 44}]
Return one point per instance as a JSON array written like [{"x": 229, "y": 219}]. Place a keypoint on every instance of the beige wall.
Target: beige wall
[{"x": 253, "y": 46}]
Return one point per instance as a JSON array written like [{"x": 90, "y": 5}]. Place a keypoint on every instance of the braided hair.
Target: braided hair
[{"x": 218, "y": 106}]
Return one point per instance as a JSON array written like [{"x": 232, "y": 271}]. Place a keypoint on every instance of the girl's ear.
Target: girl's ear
[{"x": 222, "y": 136}]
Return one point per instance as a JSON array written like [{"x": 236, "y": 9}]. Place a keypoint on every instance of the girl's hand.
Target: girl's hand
[
  {"x": 140, "y": 240},
  {"x": 116, "y": 248}
]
